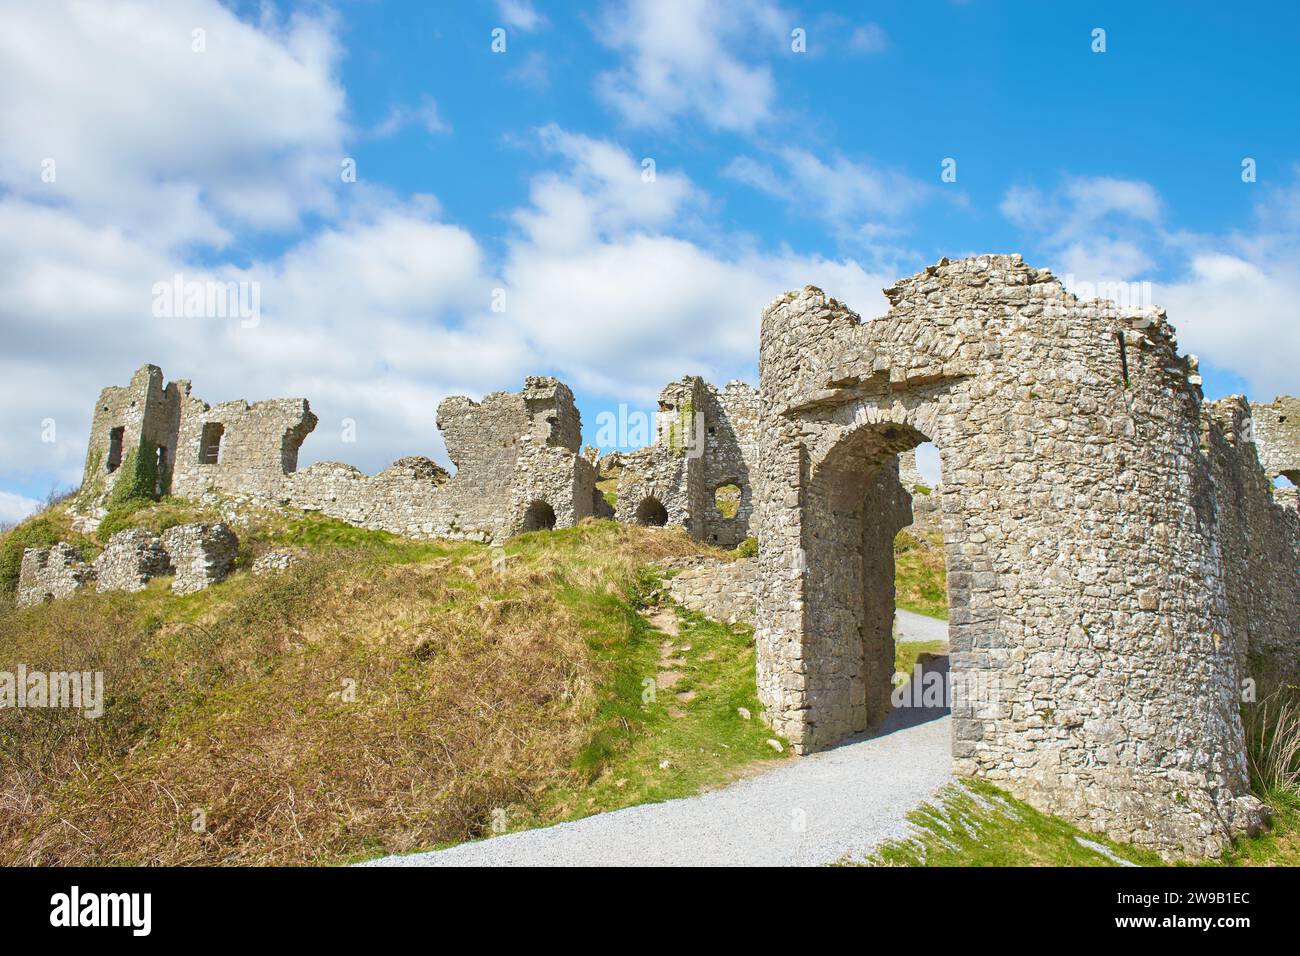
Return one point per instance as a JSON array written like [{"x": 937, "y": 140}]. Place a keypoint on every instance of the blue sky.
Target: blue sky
[{"x": 515, "y": 178}]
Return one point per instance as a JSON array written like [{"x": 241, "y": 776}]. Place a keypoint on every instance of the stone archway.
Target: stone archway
[
  {"x": 855, "y": 508},
  {"x": 539, "y": 516},
  {"x": 651, "y": 512},
  {"x": 1087, "y": 616}
]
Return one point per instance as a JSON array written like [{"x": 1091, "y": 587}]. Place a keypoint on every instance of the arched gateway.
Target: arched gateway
[{"x": 1092, "y": 670}]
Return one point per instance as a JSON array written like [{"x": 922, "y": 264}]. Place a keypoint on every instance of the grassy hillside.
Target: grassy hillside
[
  {"x": 920, "y": 583},
  {"x": 383, "y": 695}
]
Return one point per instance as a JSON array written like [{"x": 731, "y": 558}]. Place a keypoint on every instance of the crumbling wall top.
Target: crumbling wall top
[{"x": 1277, "y": 437}]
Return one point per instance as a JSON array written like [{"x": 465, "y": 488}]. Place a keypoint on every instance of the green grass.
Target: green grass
[
  {"x": 1280, "y": 846},
  {"x": 920, "y": 582},
  {"x": 155, "y": 516},
  {"x": 727, "y": 499},
  {"x": 906, "y": 653},
  {"x": 476, "y": 688},
  {"x": 608, "y": 487},
  {"x": 974, "y": 823},
  {"x": 704, "y": 741}
]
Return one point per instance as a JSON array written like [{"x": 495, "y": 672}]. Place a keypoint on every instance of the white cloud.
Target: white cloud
[
  {"x": 684, "y": 58},
  {"x": 14, "y": 508},
  {"x": 520, "y": 14},
  {"x": 158, "y": 140},
  {"x": 533, "y": 73},
  {"x": 1241, "y": 315},
  {"x": 603, "y": 191},
  {"x": 868, "y": 38},
  {"x": 840, "y": 191},
  {"x": 608, "y": 292},
  {"x": 1096, "y": 229},
  {"x": 425, "y": 115}
]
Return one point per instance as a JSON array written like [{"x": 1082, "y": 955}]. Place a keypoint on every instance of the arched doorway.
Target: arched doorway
[
  {"x": 856, "y": 507},
  {"x": 539, "y": 517},
  {"x": 651, "y": 512}
]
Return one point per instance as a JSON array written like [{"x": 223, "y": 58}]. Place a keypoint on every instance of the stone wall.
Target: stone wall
[
  {"x": 133, "y": 436},
  {"x": 1094, "y": 662},
  {"x": 705, "y": 439},
  {"x": 201, "y": 554},
  {"x": 514, "y": 451},
  {"x": 1277, "y": 436},
  {"x": 718, "y": 588},
  {"x": 47, "y": 574},
  {"x": 1258, "y": 533},
  {"x": 130, "y": 560},
  {"x": 197, "y": 555}
]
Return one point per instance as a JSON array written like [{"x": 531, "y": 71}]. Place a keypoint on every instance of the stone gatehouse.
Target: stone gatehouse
[{"x": 1118, "y": 565}]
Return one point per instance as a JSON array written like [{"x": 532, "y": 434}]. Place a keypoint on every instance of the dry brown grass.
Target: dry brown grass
[{"x": 473, "y": 690}]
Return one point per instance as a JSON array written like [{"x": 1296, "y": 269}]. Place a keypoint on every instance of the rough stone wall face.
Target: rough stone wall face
[
  {"x": 131, "y": 558},
  {"x": 509, "y": 444},
  {"x": 129, "y": 426},
  {"x": 1277, "y": 437},
  {"x": 47, "y": 574},
  {"x": 705, "y": 438},
  {"x": 201, "y": 554},
  {"x": 1259, "y": 539},
  {"x": 723, "y": 590},
  {"x": 730, "y": 453},
  {"x": 258, "y": 445},
  {"x": 1092, "y": 665}
]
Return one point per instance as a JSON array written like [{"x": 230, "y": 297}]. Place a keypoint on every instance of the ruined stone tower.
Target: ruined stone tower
[
  {"x": 1086, "y": 498},
  {"x": 705, "y": 439}
]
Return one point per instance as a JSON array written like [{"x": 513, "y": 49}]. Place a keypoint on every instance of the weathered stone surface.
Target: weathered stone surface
[
  {"x": 200, "y": 553},
  {"x": 47, "y": 574},
  {"x": 925, "y": 499},
  {"x": 511, "y": 450},
  {"x": 705, "y": 439},
  {"x": 1276, "y": 428},
  {"x": 275, "y": 562},
  {"x": 1100, "y": 607},
  {"x": 130, "y": 560},
  {"x": 718, "y": 588}
]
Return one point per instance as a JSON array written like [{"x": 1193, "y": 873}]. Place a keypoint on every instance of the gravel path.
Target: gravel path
[
  {"x": 807, "y": 812},
  {"x": 918, "y": 627}
]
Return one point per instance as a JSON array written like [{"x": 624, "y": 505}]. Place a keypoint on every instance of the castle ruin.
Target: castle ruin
[{"x": 1120, "y": 565}]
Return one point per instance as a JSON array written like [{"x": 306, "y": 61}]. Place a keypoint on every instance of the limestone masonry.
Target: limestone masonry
[
  {"x": 1120, "y": 566},
  {"x": 197, "y": 555}
]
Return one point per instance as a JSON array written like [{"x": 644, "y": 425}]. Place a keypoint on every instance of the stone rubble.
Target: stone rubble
[
  {"x": 47, "y": 574},
  {"x": 200, "y": 553},
  {"x": 130, "y": 560}
]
